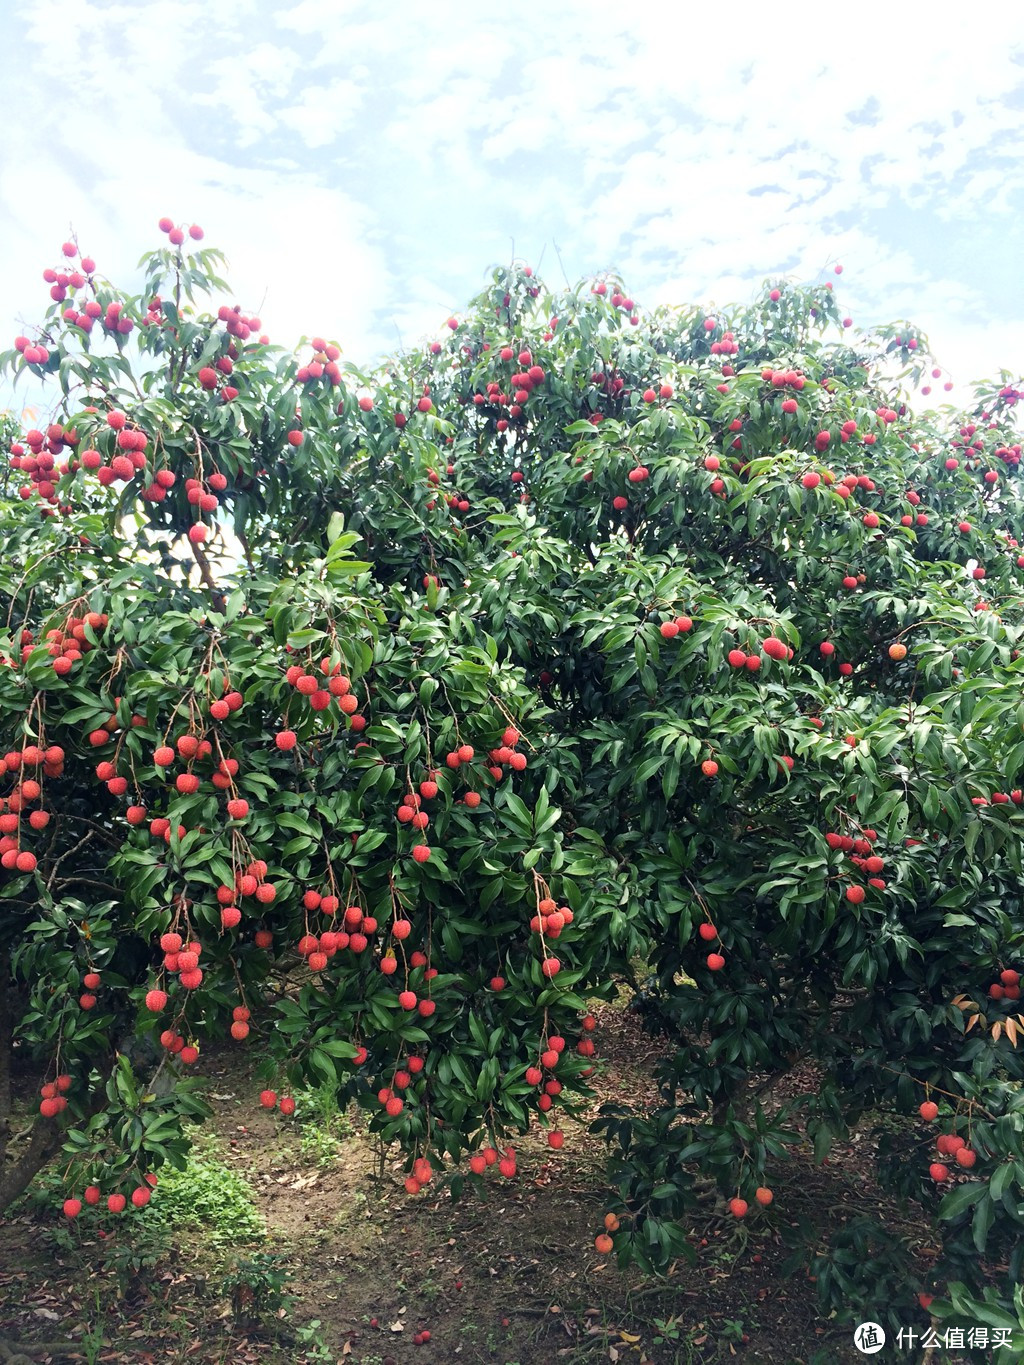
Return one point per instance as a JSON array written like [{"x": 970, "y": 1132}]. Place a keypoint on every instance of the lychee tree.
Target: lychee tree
[
  {"x": 688, "y": 651},
  {"x": 283, "y": 786},
  {"x": 789, "y": 661}
]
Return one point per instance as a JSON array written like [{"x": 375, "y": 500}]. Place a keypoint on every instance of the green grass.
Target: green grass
[
  {"x": 206, "y": 1195},
  {"x": 323, "y": 1127}
]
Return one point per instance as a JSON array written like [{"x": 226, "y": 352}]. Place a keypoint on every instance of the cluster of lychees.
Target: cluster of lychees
[
  {"x": 31, "y": 764},
  {"x": 322, "y": 365},
  {"x": 354, "y": 935},
  {"x": 860, "y": 850},
  {"x": 116, "y": 1202},
  {"x": 332, "y": 685}
]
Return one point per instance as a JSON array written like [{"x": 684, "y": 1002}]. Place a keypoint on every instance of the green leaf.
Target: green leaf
[{"x": 957, "y": 1200}]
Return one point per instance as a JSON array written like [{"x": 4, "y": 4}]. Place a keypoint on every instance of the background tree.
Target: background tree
[{"x": 686, "y": 649}]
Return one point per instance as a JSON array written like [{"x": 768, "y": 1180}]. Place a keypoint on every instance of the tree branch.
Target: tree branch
[
  {"x": 86, "y": 838},
  {"x": 206, "y": 575},
  {"x": 104, "y": 833},
  {"x": 15, "y": 1178},
  {"x": 6, "y": 1038},
  {"x": 110, "y": 889},
  {"x": 243, "y": 540}
]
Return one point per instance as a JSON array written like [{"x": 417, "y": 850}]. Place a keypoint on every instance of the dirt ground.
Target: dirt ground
[{"x": 508, "y": 1279}]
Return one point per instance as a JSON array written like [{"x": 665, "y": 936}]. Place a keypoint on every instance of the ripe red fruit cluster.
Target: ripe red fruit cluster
[
  {"x": 210, "y": 376},
  {"x": 727, "y": 345},
  {"x": 678, "y": 625},
  {"x": 192, "y": 748},
  {"x": 33, "y": 354},
  {"x": 68, "y": 643},
  {"x": 356, "y": 932},
  {"x": 506, "y": 755},
  {"x": 199, "y": 493},
  {"x": 409, "y": 812},
  {"x": 955, "y": 1146},
  {"x": 479, "y": 1161},
  {"x": 65, "y": 282},
  {"x": 91, "y": 983},
  {"x": 393, "y": 1105},
  {"x": 182, "y": 958},
  {"x": 30, "y": 759},
  {"x": 338, "y": 687},
  {"x": 250, "y": 882},
  {"x": 782, "y": 379},
  {"x": 463, "y": 754},
  {"x": 116, "y": 1203},
  {"x": 739, "y": 658},
  {"x": 553, "y": 1048},
  {"x": 170, "y": 942},
  {"x": 489, "y": 1156},
  {"x": 409, "y": 1000},
  {"x": 861, "y": 853},
  {"x": 422, "y": 1171},
  {"x": 53, "y": 1096},
  {"x": 174, "y": 1043},
  {"x": 238, "y": 325},
  {"x": 177, "y": 234},
  {"x": 1007, "y": 987},
  {"x": 239, "y": 1023},
  {"x": 322, "y": 365},
  {"x": 130, "y": 445},
  {"x": 550, "y": 919},
  {"x": 40, "y": 464}
]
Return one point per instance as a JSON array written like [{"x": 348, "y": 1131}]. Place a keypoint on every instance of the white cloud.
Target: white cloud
[
  {"x": 311, "y": 269},
  {"x": 323, "y": 112},
  {"x": 634, "y": 146},
  {"x": 245, "y": 84},
  {"x": 316, "y": 16}
]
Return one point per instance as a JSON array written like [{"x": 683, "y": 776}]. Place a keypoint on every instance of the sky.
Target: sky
[{"x": 364, "y": 167}]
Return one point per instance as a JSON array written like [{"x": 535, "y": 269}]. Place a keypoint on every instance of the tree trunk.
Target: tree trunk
[
  {"x": 6, "y": 1039},
  {"x": 45, "y": 1140},
  {"x": 16, "y": 1176}
]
